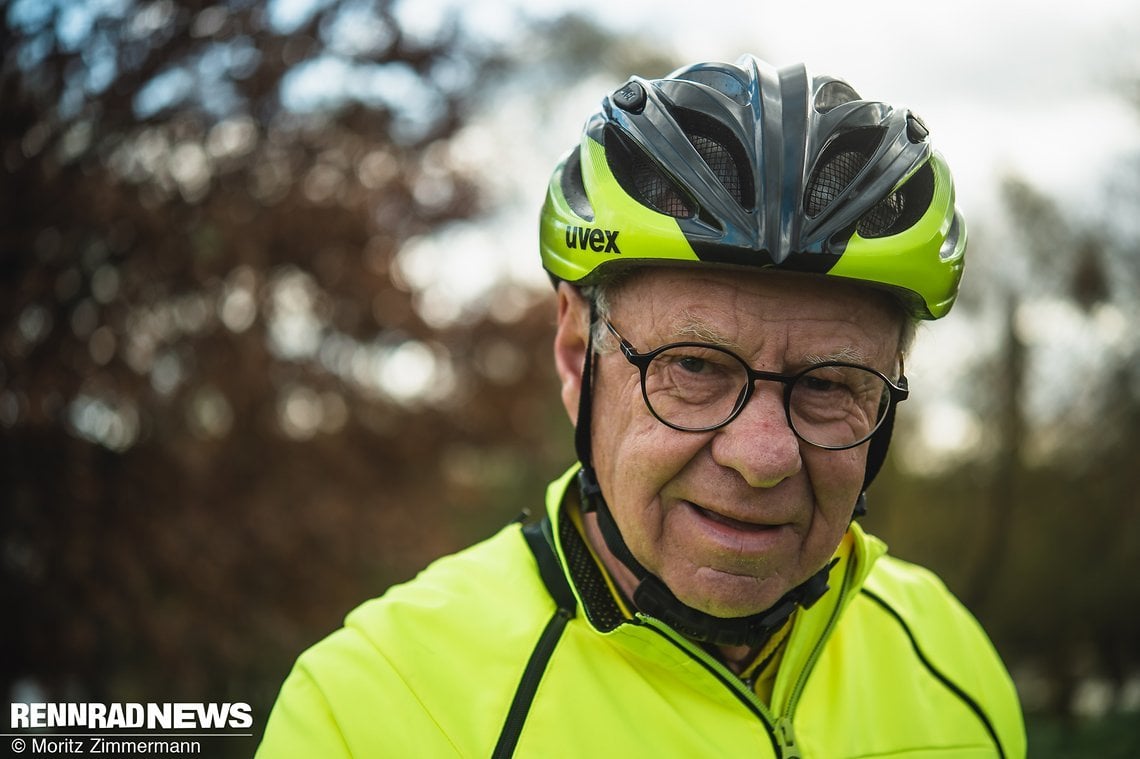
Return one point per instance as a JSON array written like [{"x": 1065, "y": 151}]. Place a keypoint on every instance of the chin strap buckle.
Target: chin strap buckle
[{"x": 815, "y": 586}]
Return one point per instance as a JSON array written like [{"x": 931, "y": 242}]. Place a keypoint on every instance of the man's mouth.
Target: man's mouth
[{"x": 730, "y": 522}]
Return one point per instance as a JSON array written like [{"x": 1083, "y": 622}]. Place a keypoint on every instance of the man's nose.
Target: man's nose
[{"x": 759, "y": 443}]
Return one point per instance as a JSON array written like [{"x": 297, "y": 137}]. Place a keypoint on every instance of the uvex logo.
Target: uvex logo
[{"x": 597, "y": 240}]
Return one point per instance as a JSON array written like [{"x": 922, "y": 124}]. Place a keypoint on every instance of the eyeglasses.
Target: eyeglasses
[{"x": 697, "y": 387}]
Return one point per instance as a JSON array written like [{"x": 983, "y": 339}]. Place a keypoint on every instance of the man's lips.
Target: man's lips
[
  {"x": 727, "y": 542},
  {"x": 728, "y": 521},
  {"x": 704, "y": 530}
]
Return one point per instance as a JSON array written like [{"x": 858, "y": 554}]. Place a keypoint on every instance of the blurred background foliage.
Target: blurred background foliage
[{"x": 235, "y": 402}]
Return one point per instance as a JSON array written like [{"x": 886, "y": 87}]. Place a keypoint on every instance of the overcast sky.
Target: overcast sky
[{"x": 1005, "y": 85}]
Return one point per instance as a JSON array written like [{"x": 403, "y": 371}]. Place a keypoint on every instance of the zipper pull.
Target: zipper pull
[{"x": 786, "y": 739}]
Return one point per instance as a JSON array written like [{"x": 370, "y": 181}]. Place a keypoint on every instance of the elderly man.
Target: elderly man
[{"x": 740, "y": 254}]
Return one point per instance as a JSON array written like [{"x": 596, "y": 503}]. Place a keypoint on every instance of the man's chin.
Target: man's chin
[{"x": 729, "y": 596}]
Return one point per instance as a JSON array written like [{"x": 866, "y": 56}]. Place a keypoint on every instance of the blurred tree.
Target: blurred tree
[{"x": 222, "y": 421}]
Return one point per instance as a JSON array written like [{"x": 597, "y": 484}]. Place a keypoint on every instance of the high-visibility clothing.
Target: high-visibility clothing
[{"x": 509, "y": 648}]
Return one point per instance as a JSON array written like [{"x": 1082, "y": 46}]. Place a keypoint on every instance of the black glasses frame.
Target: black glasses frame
[{"x": 897, "y": 392}]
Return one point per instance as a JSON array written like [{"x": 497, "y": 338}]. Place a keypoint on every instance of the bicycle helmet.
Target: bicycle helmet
[
  {"x": 755, "y": 166},
  {"x": 748, "y": 165}
]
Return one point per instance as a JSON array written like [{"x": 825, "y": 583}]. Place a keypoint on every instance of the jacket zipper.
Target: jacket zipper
[
  {"x": 779, "y": 728},
  {"x": 801, "y": 681},
  {"x": 528, "y": 685},
  {"x": 720, "y": 672}
]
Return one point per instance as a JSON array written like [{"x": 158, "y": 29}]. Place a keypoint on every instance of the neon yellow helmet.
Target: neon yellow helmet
[{"x": 750, "y": 165}]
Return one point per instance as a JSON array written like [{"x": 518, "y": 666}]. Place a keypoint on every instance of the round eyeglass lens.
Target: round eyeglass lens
[
  {"x": 694, "y": 387},
  {"x": 835, "y": 406}
]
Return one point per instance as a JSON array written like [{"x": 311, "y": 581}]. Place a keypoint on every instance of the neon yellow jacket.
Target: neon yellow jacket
[{"x": 475, "y": 658}]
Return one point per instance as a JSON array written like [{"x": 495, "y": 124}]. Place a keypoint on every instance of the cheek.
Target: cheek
[
  {"x": 635, "y": 456},
  {"x": 621, "y": 422},
  {"x": 836, "y": 480}
]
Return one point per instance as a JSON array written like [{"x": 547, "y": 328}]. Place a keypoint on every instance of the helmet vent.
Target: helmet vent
[
  {"x": 573, "y": 189},
  {"x": 831, "y": 178},
  {"x": 882, "y": 217},
  {"x": 721, "y": 151},
  {"x": 640, "y": 177},
  {"x": 840, "y": 163},
  {"x": 720, "y": 161},
  {"x": 834, "y": 94},
  {"x": 901, "y": 209}
]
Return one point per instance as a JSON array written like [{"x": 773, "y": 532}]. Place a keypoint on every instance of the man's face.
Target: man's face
[{"x": 733, "y": 518}]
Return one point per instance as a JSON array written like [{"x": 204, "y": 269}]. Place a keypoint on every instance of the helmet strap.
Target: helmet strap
[
  {"x": 876, "y": 455},
  {"x": 582, "y": 428},
  {"x": 654, "y": 598}
]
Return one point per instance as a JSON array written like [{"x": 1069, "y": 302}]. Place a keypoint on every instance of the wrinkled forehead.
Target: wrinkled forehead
[{"x": 660, "y": 294}]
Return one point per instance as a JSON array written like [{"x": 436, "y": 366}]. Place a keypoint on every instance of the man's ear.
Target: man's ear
[{"x": 570, "y": 344}]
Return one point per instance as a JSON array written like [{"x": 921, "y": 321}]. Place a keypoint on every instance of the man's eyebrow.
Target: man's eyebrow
[
  {"x": 692, "y": 327},
  {"x": 847, "y": 353}
]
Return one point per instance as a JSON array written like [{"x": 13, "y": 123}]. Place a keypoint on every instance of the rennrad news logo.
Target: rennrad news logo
[{"x": 150, "y": 716}]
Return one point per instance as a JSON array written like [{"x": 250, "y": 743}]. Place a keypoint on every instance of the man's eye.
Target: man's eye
[
  {"x": 819, "y": 384},
  {"x": 692, "y": 364}
]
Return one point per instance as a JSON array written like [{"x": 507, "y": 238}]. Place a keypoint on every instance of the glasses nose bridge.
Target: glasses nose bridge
[{"x": 757, "y": 375}]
